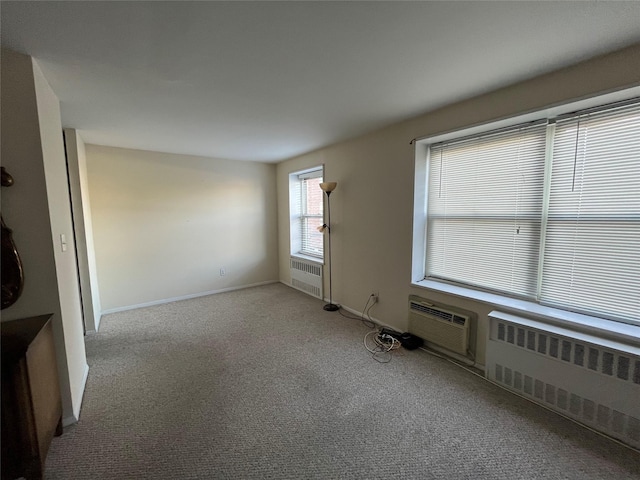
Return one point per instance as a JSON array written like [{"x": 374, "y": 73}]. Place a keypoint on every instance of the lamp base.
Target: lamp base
[{"x": 331, "y": 307}]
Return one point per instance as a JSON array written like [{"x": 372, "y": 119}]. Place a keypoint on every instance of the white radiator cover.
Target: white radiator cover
[
  {"x": 306, "y": 276},
  {"x": 438, "y": 325},
  {"x": 592, "y": 380}
]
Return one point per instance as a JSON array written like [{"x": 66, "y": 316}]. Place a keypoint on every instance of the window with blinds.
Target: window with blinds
[
  {"x": 306, "y": 205},
  {"x": 592, "y": 242},
  {"x": 548, "y": 211},
  {"x": 485, "y": 205}
]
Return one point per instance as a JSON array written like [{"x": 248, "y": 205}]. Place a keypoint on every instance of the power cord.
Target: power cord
[
  {"x": 368, "y": 322},
  {"x": 381, "y": 345}
]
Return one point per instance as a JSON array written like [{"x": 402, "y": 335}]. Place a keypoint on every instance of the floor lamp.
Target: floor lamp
[{"x": 328, "y": 187}]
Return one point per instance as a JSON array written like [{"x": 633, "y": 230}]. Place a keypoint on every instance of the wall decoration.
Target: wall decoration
[{"x": 12, "y": 274}]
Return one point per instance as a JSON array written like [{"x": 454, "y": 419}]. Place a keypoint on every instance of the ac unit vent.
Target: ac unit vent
[
  {"x": 440, "y": 326},
  {"x": 436, "y": 312}
]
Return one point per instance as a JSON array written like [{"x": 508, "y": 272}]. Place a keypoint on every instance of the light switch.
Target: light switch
[{"x": 63, "y": 242}]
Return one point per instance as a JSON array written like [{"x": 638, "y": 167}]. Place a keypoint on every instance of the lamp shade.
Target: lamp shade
[{"x": 328, "y": 186}]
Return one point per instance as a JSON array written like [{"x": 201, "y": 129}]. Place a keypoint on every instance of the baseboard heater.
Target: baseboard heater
[
  {"x": 306, "y": 276},
  {"x": 595, "y": 381},
  {"x": 440, "y": 326}
]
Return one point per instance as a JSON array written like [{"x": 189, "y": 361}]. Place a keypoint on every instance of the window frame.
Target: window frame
[
  {"x": 628, "y": 329},
  {"x": 297, "y": 215}
]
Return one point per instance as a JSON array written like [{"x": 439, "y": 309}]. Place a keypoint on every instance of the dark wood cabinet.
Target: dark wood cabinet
[{"x": 31, "y": 403}]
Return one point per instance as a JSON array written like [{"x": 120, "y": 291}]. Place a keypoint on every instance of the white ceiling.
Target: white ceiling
[{"x": 266, "y": 81}]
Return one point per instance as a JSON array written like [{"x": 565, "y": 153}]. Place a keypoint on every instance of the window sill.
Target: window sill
[
  {"x": 308, "y": 258},
  {"x": 624, "y": 332}
]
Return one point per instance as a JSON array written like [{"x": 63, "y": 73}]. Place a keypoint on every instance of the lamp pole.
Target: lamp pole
[{"x": 328, "y": 187}]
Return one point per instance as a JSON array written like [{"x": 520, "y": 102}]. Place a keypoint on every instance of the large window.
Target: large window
[
  {"x": 548, "y": 211},
  {"x": 306, "y": 212}
]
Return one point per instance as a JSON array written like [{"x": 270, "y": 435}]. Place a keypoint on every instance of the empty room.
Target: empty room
[{"x": 320, "y": 239}]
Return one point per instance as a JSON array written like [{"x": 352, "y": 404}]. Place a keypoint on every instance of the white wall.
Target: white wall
[
  {"x": 372, "y": 207},
  {"x": 83, "y": 226},
  {"x": 164, "y": 225},
  {"x": 55, "y": 169},
  {"x": 25, "y": 207},
  {"x": 37, "y": 209}
]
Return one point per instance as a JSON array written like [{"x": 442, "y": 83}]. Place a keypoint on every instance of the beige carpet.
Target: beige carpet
[{"x": 264, "y": 384}]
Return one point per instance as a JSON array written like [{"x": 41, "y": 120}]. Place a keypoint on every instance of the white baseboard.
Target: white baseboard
[
  {"x": 91, "y": 332},
  {"x": 184, "y": 297},
  {"x": 348, "y": 309},
  {"x": 98, "y": 323},
  {"x": 70, "y": 420},
  {"x": 359, "y": 314},
  {"x": 453, "y": 355}
]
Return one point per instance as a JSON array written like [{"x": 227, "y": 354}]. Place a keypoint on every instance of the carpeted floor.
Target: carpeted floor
[{"x": 264, "y": 384}]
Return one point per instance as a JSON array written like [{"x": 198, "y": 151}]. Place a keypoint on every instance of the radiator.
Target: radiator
[
  {"x": 592, "y": 380},
  {"x": 307, "y": 276},
  {"x": 440, "y": 326}
]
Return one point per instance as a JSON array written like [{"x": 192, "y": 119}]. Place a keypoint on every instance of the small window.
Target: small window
[{"x": 306, "y": 212}]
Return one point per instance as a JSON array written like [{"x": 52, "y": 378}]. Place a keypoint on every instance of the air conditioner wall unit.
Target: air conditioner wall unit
[{"x": 444, "y": 327}]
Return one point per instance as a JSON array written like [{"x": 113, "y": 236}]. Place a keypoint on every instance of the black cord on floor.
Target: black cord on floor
[
  {"x": 367, "y": 322},
  {"x": 383, "y": 345}
]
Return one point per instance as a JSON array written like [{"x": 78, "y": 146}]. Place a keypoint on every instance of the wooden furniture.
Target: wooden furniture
[{"x": 31, "y": 403}]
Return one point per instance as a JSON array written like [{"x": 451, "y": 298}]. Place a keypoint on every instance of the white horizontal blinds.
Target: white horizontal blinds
[
  {"x": 484, "y": 209},
  {"x": 295, "y": 209},
  {"x": 592, "y": 250},
  {"x": 311, "y": 213}
]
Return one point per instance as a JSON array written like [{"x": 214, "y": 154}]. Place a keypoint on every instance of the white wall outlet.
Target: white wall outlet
[{"x": 223, "y": 272}]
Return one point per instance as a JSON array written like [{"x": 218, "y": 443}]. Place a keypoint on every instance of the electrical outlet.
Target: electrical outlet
[
  {"x": 223, "y": 272},
  {"x": 375, "y": 297}
]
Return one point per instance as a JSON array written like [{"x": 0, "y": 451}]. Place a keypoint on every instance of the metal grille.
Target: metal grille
[
  {"x": 306, "y": 276},
  {"x": 593, "y": 380}
]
